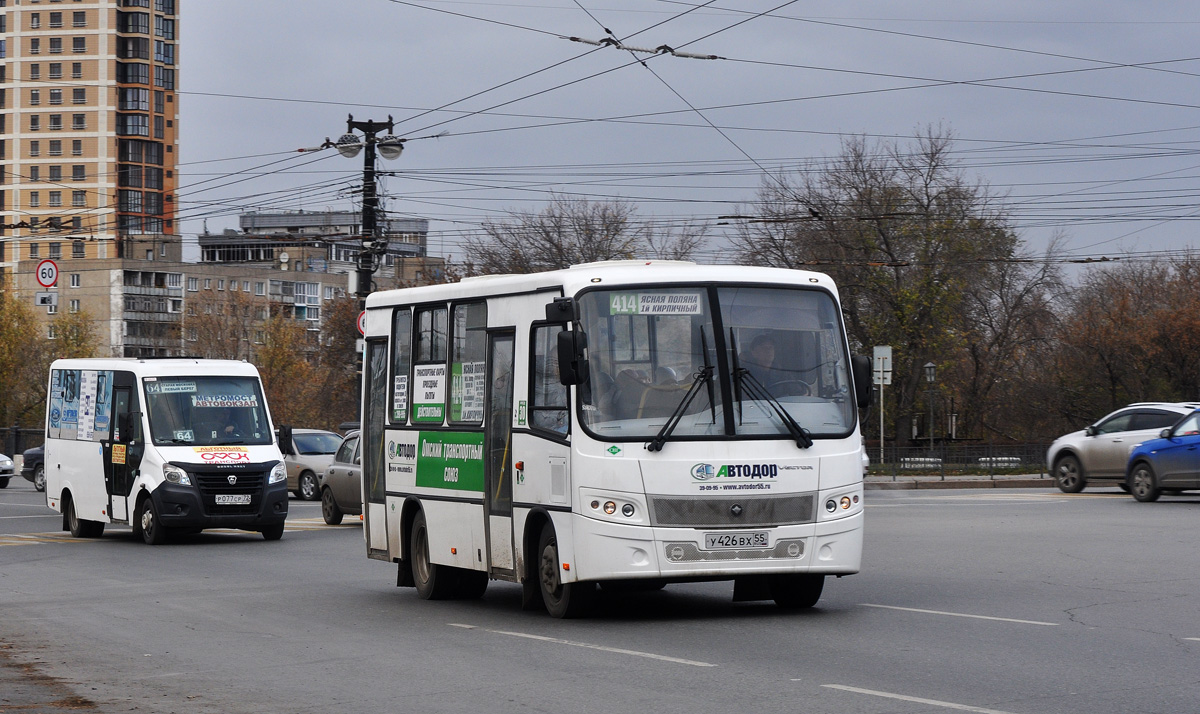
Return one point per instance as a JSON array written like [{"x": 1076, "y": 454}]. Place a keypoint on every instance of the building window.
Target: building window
[
  {"x": 35, "y": 199},
  {"x": 56, "y": 147},
  {"x": 35, "y": 46},
  {"x": 79, "y": 95},
  {"x": 134, "y": 22},
  {"x": 55, "y": 173},
  {"x": 35, "y": 148},
  {"x": 77, "y": 147},
  {"x": 78, "y": 122},
  {"x": 133, "y": 99},
  {"x": 79, "y": 45},
  {"x": 35, "y": 97},
  {"x": 76, "y": 70},
  {"x": 78, "y": 172},
  {"x": 56, "y": 70},
  {"x": 133, "y": 125},
  {"x": 79, "y": 199},
  {"x": 74, "y": 306},
  {"x": 35, "y": 173},
  {"x": 193, "y": 285},
  {"x": 56, "y": 19},
  {"x": 221, "y": 284},
  {"x": 245, "y": 286},
  {"x": 33, "y": 250},
  {"x": 35, "y": 20},
  {"x": 79, "y": 19},
  {"x": 56, "y": 96},
  {"x": 55, "y": 199},
  {"x": 75, "y": 280},
  {"x": 56, "y": 45},
  {"x": 260, "y": 288},
  {"x": 77, "y": 250},
  {"x": 56, "y": 251},
  {"x": 208, "y": 283},
  {"x": 35, "y": 123},
  {"x": 56, "y": 122},
  {"x": 35, "y": 71}
]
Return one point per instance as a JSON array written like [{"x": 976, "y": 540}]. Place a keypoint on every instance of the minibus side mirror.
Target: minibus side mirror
[
  {"x": 572, "y": 357},
  {"x": 285, "y": 440},
  {"x": 860, "y": 366},
  {"x": 128, "y": 427}
]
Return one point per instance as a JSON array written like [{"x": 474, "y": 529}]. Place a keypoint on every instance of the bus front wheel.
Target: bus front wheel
[
  {"x": 796, "y": 592},
  {"x": 433, "y": 582},
  {"x": 563, "y": 600},
  {"x": 150, "y": 525}
]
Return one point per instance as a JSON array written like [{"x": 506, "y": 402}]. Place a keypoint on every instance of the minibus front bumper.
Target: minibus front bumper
[{"x": 195, "y": 506}]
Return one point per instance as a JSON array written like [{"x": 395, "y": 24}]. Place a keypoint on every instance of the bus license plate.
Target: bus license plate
[
  {"x": 743, "y": 539},
  {"x": 233, "y": 499}
]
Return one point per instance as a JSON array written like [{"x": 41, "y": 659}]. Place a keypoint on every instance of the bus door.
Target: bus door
[
  {"x": 118, "y": 461},
  {"x": 498, "y": 443}
]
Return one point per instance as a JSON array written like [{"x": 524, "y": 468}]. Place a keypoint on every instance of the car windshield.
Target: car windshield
[
  {"x": 206, "y": 411},
  {"x": 314, "y": 444},
  {"x": 780, "y": 349}
]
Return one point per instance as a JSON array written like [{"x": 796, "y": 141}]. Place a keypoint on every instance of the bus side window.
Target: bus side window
[{"x": 548, "y": 395}]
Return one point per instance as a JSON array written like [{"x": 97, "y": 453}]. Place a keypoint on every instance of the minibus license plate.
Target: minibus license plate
[
  {"x": 743, "y": 539},
  {"x": 233, "y": 499}
]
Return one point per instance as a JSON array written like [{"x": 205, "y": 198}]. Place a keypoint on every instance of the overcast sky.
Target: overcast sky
[{"x": 1083, "y": 116}]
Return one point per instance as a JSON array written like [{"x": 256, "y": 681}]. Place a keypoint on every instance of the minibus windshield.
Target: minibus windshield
[{"x": 206, "y": 411}]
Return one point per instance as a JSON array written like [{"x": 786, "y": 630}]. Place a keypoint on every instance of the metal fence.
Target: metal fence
[
  {"x": 953, "y": 459},
  {"x": 14, "y": 440}
]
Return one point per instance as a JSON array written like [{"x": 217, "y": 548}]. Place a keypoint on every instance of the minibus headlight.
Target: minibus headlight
[
  {"x": 279, "y": 473},
  {"x": 174, "y": 474}
]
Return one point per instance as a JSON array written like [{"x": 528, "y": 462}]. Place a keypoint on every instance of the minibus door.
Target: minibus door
[
  {"x": 116, "y": 449},
  {"x": 498, "y": 436}
]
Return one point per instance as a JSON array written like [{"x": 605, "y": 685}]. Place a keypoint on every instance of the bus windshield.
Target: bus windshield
[
  {"x": 206, "y": 411},
  {"x": 774, "y": 353}
]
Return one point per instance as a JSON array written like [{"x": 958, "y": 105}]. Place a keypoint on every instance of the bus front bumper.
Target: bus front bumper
[
  {"x": 185, "y": 507},
  {"x": 613, "y": 551}
]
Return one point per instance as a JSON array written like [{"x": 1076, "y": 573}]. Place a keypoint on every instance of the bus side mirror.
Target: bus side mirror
[
  {"x": 860, "y": 366},
  {"x": 572, "y": 357},
  {"x": 285, "y": 440},
  {"x": 562, "y": 310},
  {"x": 127, "y": 427}
]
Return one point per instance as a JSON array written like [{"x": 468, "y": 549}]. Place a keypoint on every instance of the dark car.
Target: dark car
[
  {"x": 341, "y": 484},
  {"x": 1169, "y": 463},
  {"x": 31, "y": 468}
]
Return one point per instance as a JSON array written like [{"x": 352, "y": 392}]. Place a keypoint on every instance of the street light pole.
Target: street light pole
[
  {"x": 390, "y": 147},
  {"x": 930, "y": 375}
]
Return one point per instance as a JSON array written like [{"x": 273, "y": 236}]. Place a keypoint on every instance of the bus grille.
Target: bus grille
[
  {"x": 747, "y": 511},
  {"x": 690, "y": 553},
  {"x": 211, "y": 484}
]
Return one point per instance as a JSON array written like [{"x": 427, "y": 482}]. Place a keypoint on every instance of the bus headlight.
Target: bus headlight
[
  {"x": 174, "y": 474},
  {"x": 279, "y": 473}
]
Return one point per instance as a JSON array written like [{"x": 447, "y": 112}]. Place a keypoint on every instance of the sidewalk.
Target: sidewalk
[{"x": 913, "y": 481}]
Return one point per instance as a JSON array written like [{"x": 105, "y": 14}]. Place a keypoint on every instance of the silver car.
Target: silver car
[
  {"x": 310, "y": 453},
  {"x": 1100, "y": 452},
  {"x": 341, "y": 484}
]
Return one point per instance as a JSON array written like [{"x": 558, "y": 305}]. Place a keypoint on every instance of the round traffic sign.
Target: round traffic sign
[
  {"x": 362, "y": 323},
  {"x": 47, "y": 273}
]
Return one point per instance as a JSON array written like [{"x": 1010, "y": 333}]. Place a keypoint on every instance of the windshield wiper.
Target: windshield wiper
[
  {"x": 756, "y": 390},
  {"x": 703, "y": 376}
]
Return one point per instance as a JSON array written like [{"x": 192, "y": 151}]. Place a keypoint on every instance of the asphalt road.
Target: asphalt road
[{"x": 1016, "y": 601}]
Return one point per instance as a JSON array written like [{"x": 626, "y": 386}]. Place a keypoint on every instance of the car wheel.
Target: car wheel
[
  {"x": 39, "y": 478},
  {"x": 563, "y": 600},
  {"x": 433, "y": 582},
  {"x": 4, "y": 482},
  {"x": 274, "y": 532},
  {"x": 1143, "y": 484},
  {"x": 82, "y": 528},
  {"x": 329, "y": 508},
  {"x": 796, "y": 592},
  {"x": 153, "y": 531},
  {"x": 1068, "y": 474},
  {"x": 307, "y": 489}
]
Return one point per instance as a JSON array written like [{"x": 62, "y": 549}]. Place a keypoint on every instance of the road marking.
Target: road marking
[
  {"x": 44, "y": 515},
  {"x": 1192, "y": 639},
  {"x": 916, "y": 700},
  {"x": 960, "y": 614},
  {"x": 586, "y": 645}
]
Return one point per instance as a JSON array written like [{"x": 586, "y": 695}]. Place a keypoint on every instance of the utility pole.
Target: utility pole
[{"x": 389, "y": 146}]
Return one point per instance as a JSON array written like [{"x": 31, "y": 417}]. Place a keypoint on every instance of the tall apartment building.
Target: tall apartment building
[{"x": 88, "y": 122}]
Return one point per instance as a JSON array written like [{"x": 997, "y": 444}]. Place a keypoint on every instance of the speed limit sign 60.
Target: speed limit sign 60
[{"x": 47, "y": 273}]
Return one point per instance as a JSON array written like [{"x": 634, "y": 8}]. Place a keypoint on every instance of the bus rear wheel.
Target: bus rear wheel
[
  {"x": 563, "y": 600},
  {"x": 433, "y": 582},
  {"x": 796, "y": 592}
]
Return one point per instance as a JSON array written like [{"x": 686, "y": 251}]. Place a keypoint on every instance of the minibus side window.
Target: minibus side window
[
  {"x": 547, "y": 395},
  {"x": 428, "y": 388},
  {"x": 401, "y": 356}
]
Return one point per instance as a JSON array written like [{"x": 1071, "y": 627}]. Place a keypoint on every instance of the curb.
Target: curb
[{"x": 958, "y": 483}]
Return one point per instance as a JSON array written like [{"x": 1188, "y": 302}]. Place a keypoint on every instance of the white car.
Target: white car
[{"x": 1101, "y": 451}]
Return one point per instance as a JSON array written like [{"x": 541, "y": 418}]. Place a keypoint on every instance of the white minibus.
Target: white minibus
[
  {"x": 163, "y": 445},
  {"x": 614, "y": 425}
]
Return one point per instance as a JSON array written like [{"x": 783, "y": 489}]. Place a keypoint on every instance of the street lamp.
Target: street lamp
[
  {"x": 930, "y": 377},
  {"x": 389, "y": 147}
]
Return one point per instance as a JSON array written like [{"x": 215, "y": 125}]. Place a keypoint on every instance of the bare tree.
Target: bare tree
[{"x": 570, "y": 231}]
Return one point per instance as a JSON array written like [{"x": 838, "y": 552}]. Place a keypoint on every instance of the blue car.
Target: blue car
[{"x": 1169, "y": 463}]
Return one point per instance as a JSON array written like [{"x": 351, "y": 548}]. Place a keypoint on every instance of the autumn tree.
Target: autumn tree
[
  {"x": 217, "y": 328},
  {"x": 22, "y": 379},
  {"x": 571, "y": 231},
  {"x": 915, "y": 247}
]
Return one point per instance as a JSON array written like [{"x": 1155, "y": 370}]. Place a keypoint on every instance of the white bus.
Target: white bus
[
  {"x": 615, "y": 424},
  {"x": 162, "y": 445}
]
